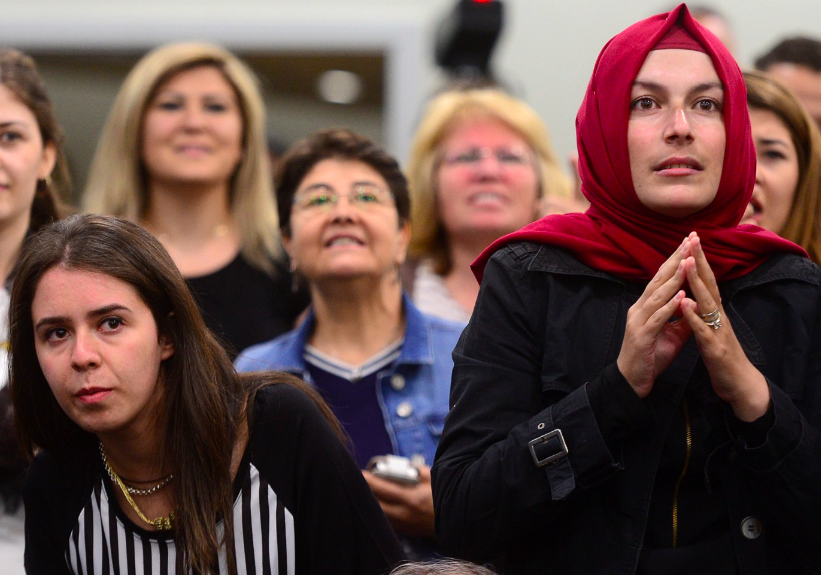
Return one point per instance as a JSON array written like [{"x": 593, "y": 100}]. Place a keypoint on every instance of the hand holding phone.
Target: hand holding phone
[{"x": 394, "y": 468}]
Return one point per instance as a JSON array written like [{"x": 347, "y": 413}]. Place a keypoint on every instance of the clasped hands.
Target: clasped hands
[{"x": 653, "y": 339}]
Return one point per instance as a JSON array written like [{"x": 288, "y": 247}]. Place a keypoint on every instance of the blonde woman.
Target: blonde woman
[
  {"x": 183, "y": 153},
  {"x": 481, "y": 166}
]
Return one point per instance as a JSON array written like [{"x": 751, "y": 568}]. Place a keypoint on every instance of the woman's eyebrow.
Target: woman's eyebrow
[
  {"x": 169, "y": 93},
  {"x": 652, "y": 86},
  {"x": 704, "y": 87},
  {"x": 107, "y": 309},
  {"x": 92, "y": 314},
  {"x": 655, "y": 87},
  {"x": 773, "y": 142},
  {"x": 10, "y": 123},
  {"x": 318, "y": 186}
]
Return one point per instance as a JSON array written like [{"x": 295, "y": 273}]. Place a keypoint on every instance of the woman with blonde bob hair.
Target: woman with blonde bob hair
[
  {"x": 183, "y": 153},
  {"x": 481, "y": 166},
  {"x": 787, "y": 195}
]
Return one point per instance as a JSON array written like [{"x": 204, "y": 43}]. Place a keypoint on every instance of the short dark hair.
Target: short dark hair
[
  {"x": 799, "y": 50},
  {"x": 338, "y": 144}
]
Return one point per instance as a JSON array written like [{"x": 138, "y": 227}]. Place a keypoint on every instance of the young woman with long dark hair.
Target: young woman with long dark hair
[{"x": 152, "y": 454}]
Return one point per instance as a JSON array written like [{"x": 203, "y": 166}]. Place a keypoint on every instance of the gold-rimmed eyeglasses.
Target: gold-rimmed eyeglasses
[{"x": 322, "y": 198}]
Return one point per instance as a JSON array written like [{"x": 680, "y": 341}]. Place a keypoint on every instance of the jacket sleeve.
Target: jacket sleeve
[
  {"x": 46, "y": 540},
  {"x": 339, "y": 527},
  {"x": 784, "y": 472},
  {"x": 488, "y": 488}
]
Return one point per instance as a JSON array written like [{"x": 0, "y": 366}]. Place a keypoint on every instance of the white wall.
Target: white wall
[
  {"x": 547, "y": 51},
  {"x": 550, "y": 46}
]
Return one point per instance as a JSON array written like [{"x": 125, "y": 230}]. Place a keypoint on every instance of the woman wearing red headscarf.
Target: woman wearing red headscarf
[{"x": 639, "y": 388}]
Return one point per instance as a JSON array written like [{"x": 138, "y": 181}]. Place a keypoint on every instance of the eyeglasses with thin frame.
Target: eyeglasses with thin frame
[
  {"x": 320, "y": 198},
  {"x": 511, "y": 157}
]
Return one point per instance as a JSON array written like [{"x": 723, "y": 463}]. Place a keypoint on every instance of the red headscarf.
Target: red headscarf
[{"x": 618, "y": 234}]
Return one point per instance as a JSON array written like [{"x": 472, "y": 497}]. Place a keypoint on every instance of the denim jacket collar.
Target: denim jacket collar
[{"x": 415, "y": 350}]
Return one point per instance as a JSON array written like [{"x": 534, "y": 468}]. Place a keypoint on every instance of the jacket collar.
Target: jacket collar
[
  {"x": 417, "y": 348},
  {"x": 778, "y": 267},
  {"x": 556, "y": 260}
]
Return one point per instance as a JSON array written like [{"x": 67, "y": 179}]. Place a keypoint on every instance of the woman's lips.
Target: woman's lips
[
  {"x": 678, "y": 166},
  {"x": 487, "y": 199},
  {"x": 92, "y": 394},
  {"x": 193, "y": 150},
  {"x": 343, "y": 241},
  {"x": 752, "y": 215}
]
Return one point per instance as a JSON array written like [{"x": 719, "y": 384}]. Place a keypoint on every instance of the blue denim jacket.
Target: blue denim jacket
[{"x": 413, "y": 393}]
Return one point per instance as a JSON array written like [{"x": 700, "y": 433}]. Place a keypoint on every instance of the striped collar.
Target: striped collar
[
  {"x": 353, "y": 373},
  {"x": 416, "y": 350}
]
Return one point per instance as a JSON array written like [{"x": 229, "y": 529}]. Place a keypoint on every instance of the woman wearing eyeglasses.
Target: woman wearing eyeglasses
[
  {"x": 481, "y": 166},
  {"x": 383, "y": 366}
]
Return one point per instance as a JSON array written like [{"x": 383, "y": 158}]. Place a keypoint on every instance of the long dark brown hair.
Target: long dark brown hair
[{"x": 204, "y": 398}]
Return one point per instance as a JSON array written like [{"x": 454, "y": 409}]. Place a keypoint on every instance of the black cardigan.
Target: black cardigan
[{"x": 338, "y": 527}]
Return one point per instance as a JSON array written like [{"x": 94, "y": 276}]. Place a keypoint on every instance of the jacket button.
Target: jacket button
[
  {"x": 404, "y": 409},
  {"x": 751, "y": 527},
  {"x": 398, "y": 381}
]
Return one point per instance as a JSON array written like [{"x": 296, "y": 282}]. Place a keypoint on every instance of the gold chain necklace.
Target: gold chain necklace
[
  {"x": 160, "y": 523},
  {"x": 136, "y": 490}
]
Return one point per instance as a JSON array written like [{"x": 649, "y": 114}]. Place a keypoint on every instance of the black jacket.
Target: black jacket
[{"x": 539, "y": 355}]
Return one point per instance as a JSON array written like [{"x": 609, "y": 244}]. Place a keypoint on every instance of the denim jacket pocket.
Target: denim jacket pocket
[
  {"x": 420, "y": 436},
  {"x": 435, "y": 424}
]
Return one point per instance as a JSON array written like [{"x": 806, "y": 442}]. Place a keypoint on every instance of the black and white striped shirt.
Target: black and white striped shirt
[
  {"x": 302, "y": 506},
  {"x": 106, "y": 542}
]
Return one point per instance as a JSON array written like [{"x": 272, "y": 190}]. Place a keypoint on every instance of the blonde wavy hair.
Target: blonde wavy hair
[
  {"x": 117, "y": 183},
  {"x": 429, "y": 239}
]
